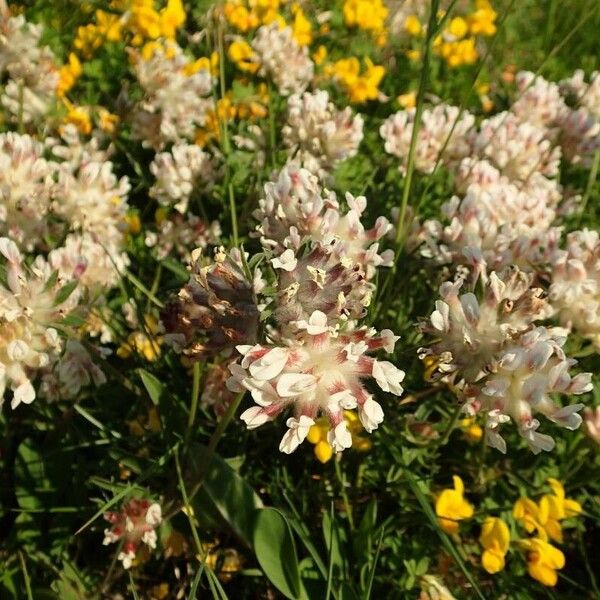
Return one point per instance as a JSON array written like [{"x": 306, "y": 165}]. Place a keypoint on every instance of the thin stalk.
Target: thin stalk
[
  {"x": 233, "y": 211},
  {"x": 347, "y": 506},
  {"x": 590, "y": 184},
  {"x": 423, "y": 80},
  {"x": 194, "y": 402},
  {"x": 26, "y": 576},
  {"x": 214, "y": 440}
]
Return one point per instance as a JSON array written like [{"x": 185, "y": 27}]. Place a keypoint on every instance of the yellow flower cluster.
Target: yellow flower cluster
[
  {"x": 68, "y": 75},
  {"x": 317, "y": 435},
  {"x": 229, "y": 108},
  {"x": 542, "y": 518},
  {"x": 241, "y": 54},
  {"x": 146, "y": 343},
  {"x": 457, "y": 43},
  {"x": 369, "y": 15},
  {"x": 245, "y": 15},
  {"x": 360, "y": 87},
  {"x": 140, "y": 20}
]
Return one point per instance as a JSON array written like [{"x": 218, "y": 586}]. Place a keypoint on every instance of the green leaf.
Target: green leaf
[
  {"x": 276, "y": 553},
  {"x": 64, "y": 292},
  {"x": 224, "y": 496},
  {"x": 153, "y": 386}
]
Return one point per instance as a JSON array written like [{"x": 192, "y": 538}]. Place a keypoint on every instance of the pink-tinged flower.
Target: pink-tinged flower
[
  {"x": 134, "y": 524},
  {"x": 282, "y": 59},
  {"x": 30, "y": 306},
  {"x": 315, "y": 280},
  {"x": 184, "y": 169},
  {"x": 501, "y": 362},
  {"x": 318, "y": 135},
  {"x": 539, "y": 102},
  {"x": 516, "y": 148},
  {"x": 575, "y": 289},
  {"x": 318, "y": 372},
  {"x": 442, "y": 136},
  {"x": 296, "y": 208}
]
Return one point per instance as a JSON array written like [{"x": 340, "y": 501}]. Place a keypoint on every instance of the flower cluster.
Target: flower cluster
[
  {"x": 32, "y": 71},
  {"x": 282, "y": 59},
  {"x": 176, "y": 95},
  {"x": 295, "y": 208},
  {"x": 318, "y": 135},
  {"x": 504, "y": 365},
  {"x": 33, "y": 302},
  {"x": 133, "y": 525}
]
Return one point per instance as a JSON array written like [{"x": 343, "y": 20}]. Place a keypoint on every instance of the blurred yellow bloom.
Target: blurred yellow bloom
[
  {"x": 543, "y": 560},
  {"x": 241, "y": 53},
  {"x": 68, "y": 75},
  {"x": 145, "y": 343},
  {"x": 457, "y": 28},
  {"x": 108, "y": 121},
  {"x": 408, "y": 100},
  {"x": 482, "y": 21},
  {"x": 134, "y": 224},
  {"x": 369, "y": 15},
  {"x": 471, "y": 430},
  {"x": 452, "y": 507},
  {"x": 209, "y": 64},
  {"x": 319, "y": 55},
  {"x": 413, "y": 55},
  {"x": 80, "y": 117},
  {"x": 413, "y": 26},
  {"x": 301, "y": 27},
  {"x": 360, "y": 87},
  {"x": 172, "y": 17},
  {"x": 495, "y": 539},
  {"x": 88, "y": 39},
  {"x": 109, "y": 25},
  {"x": 240, "y": 17}
]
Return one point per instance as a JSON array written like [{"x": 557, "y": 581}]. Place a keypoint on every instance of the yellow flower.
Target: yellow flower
[
  {"x": 413, "y": 55},
  {"x": 240, "y": 17},
  {"x": 413, "y": 26},
  {"x": 134, "y": 224},
  {"x": 108, "y": 121},
  {"x": 317, "y": 435},
  {"x": 495, "y": 539},
  {"x": 80, "y": 117},
  {"x": 369, "y": 15},
  {"x": 471, "y": 430},
  {"x": 109, "y": 25},
  {"x": 172, "y": 17},
  {"x": 554, "y": 508},
  {"x": 145, "y": 343},
  {"x": 408, "y": 100},
  {"x": 301, "y": 26},
  {"x": 451, "y": 507},
  {"x": 209, "y": 64},
  {"x": 526, "y": 511},
  {"x": 68, "y": 75},
  {"x": 543, "y": 560},
  {"x": 87, "y": 39},
  {"x": 359, "y": 87},
  {"x": 241, "y": 53},
  {"x": 319, "y": 55},
  {"x": 482, "y": 21},
  {"x": 457, "y": 28}
]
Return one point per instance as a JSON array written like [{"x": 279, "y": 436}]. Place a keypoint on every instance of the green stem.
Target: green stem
[
  {"x": 194, "y": 404},
  {"x": 347, "y": 506},
  {"x": 423, "y": 80},
  {"x": 233, "y": 211}
]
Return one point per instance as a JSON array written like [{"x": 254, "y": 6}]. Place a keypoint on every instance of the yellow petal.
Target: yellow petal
[{"x": 492, "y": 561}]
